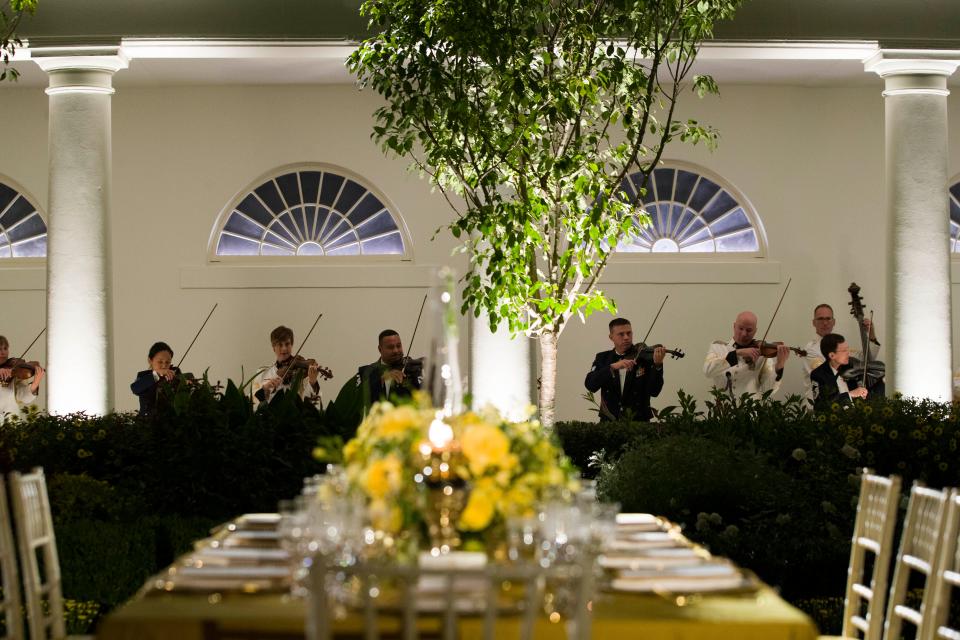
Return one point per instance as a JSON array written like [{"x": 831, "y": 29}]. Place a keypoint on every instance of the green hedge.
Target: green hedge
[
  {"x": 769, "y": 484},
  {"x": 130, "y": 493}
]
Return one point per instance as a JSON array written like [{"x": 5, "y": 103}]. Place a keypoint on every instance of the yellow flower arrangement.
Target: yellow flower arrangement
[{"x": 507, "y": 466}]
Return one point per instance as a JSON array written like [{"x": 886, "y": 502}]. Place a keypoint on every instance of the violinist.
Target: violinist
[
  {"x": 626, "y": 382},
  {"x": 280, "y": 375},
  {"x": 147, "y": 384},
  {"x": 828, "y": 383},
  {"x": 16, "y": 391},
  {"x": 741, "y": 366},
  {"x": 391, "y": 375},
  {"x": 823, "y": 323}
]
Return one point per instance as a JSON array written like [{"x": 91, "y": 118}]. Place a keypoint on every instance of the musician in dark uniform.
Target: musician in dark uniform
[
  {"x": 388, "y": 377},
  {"x": 625, "y": 384},
  {"x": 147, "y": 384},
  {"x": 827, "y": 381}
]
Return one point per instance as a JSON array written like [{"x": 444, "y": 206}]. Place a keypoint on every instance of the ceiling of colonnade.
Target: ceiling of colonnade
[{"x": 862, "y": 25}]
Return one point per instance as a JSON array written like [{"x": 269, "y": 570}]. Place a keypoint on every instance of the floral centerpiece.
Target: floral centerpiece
[{"x": 505, "y": 467}]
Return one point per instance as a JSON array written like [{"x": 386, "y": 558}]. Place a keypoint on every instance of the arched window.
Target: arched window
[
  {"x": 309, "y": 210},
  {"x": 692, "y": 212},
  {"x": 954, "y": 196},
  {"x": 23, "y": 233}
]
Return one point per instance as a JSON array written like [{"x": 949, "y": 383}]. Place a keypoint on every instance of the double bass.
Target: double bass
[{"x": 866, "y": 372}]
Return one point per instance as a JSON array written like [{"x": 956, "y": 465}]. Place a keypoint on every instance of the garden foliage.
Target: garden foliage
[
  {"x": 767, "y": 483},
  {"x": 129, "y": 493}
]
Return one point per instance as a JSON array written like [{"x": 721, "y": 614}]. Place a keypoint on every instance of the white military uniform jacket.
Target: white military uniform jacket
[
  {"x": 15, "y": 396},
  {"x": 744, "y": 378},
  {"x": 814, "y": 359}
]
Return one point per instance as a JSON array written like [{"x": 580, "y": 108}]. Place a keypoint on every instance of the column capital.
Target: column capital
[
  {"x": 922, "y": 62},
  {"x": 87, "y": 69},
  {"x": 914, "y": 71}
]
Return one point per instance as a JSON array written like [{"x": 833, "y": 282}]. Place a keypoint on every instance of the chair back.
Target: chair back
[
  {"x": 406, "y": 601},
  {"x": 38, "y": 555},
  {"x": 10, "y": 603},
  {"x": 919, "y": 546},
  {"x": 872, "y": 533},
  {"x": 946, "y": 577}
]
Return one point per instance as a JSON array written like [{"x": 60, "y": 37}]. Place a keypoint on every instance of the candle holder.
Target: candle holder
[{"x": 446, "y": 495}]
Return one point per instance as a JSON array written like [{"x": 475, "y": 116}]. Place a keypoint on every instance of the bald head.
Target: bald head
[{"x": 744, "y": 327}]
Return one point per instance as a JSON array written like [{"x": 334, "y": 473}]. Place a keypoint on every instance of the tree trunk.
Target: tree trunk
[{"x": 548, "y": 378}]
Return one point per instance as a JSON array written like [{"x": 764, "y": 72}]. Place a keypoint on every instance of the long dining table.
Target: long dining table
[{"x": 220, "y": 610}]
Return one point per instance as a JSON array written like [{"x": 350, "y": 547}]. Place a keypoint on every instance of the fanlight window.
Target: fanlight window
[
  {"x": 23, "y": 233},
  {"x": 310, "y": 213},
  {"x": 955, "y": 218},
  {"x": 689, "y": 213}
]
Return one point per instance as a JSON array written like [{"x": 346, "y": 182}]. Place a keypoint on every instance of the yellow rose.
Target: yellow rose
[
  {"x": 481, "y": 507},
  {"x": 350, "y": 449},
  {"x": 399, "y": 421},
  {"x": 484, "y": 446},
  {"x": 383, "y": 476},
  {"x": 519, "y": 500}
]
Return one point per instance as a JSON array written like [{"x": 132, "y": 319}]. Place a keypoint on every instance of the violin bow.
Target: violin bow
[
  {"x": 32, "y": 343},
  {"x": 655, "y": 318},
  {"x": 184, "y": 356},
  {"x": 416, "y": 326},
  {"x": 775, "y": 312},
  {"x": 866, "y": 356},
  {"x": 304, "y": 342}
]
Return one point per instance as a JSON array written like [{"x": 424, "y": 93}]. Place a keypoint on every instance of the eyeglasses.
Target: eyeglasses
[{"x": 823, "y": 319}]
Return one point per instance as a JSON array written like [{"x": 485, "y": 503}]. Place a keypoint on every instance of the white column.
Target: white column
[
  {"x": 79, "y": 344},
  {"x": 499, "y": 369},
  {"x": 918, "y": 334}
]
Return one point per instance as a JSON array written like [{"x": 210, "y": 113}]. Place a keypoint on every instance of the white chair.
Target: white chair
[
  {"x": 455, "y": 596},
  {"x": 946, "y": 577},
  {"x": 919, "y": 546},
  {"x": 31, "y": 509},
  {"x": 10, "y": 603},
  {"x": 873, "y": 533}
]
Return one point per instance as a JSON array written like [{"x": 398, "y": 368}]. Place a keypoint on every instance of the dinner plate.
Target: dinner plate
[
  {"x": 259, "y": 519},
  {"x": 229, "y": 555},
  {"x": 680, "y": 584},
  {"x": 642, "y": 545},
  {"x": 637, "y": 518},
  {"x": 648, "y": 536},
  {"x": 254, "y": 535},
  {"x": 711, "y": 569},
  {"x": 659, "y": 552},
  {"x": 647, "y": 562},
  {"x": 233, "y": 585},
  {"x": 245, "y": 572}
]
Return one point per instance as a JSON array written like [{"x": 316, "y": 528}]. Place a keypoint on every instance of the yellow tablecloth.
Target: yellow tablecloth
[{"x": 761, "y": 615}]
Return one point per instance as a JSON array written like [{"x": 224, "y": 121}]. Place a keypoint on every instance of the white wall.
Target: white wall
[{"x": 810, "y": 161}]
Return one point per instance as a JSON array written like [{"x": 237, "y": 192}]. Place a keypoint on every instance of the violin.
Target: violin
[
  {"x": 411, "y": 367},
  {"x": 769, "y": 349},
  {"x": 297, "y": 364},
  {"x": 21, "y": 370},
  {"x": 641, "y": 352}
]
